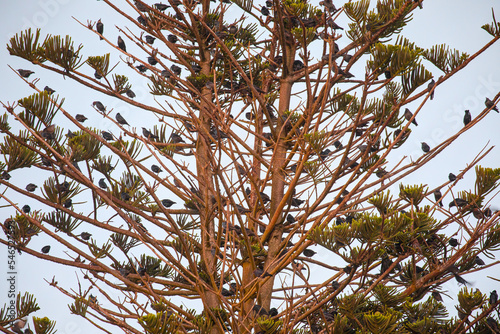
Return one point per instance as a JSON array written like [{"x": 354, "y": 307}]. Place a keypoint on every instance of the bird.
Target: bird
[
  {"x": 45, "y": 249},
  {"x": 297, "y": 66},
  {"x": 409, "y": 115},
  {"x": 176, "y": 70},
  {"x": 121, "y": 44},
  {"x": 438, "y": 196},
  {"x": 97, "y": 75},
  {"x": 68, "y": 203},
  {"x": 141, "y": 68},
  {"x": 241, "y": 209},
  {"x": 100, "y": 28},
  {"x": 167, "y": 203},
  {"x": 233, "y": 29},
  {"x": 107, "y": 135},
  {"x": 308, "y": 252},
  {"x": 99, "y": 106},
  {"x": 156, "y": 169},
  {"x": 146, "y": 133},
  {"x": 296, "y": 202},
  {"x": 261, "y": 273},
  {"x": 80, "y": 118},
  {"x": 492, "y": 323},
  {"x": 452, "y": 177},
  {"x": 330, "y": 23},
  {"x": 161, "y": 7},
  {"x": 102, "y": 184},
  {"x": 49, "y": 90},
  {"x": 176, "y": 139},
  {"x": 335, "y": 285},
  {"x": 130, "y": 93},
  {"x": 150, "y": 39},
  {"x": 49, "y": 132},
  {"x": 290, "y": 219},
  {"x": 425, "y": 147},
  {"x": 85, "y": 236},
  {"x": 493, "y": 297},
  {"x": 489, "y": 104},
  {"x": 458, "y": 202},
  {"x": 31, "y": 187},
  {"x": 25, "y": 73},
  {"x": 121, "y": 120},
  {"x": 172, "y": 38},
  {"x": 460, "y": 279},
  {"x": 141, "y": 7},
  {"x": 430, "y": 86},
  {"x": 264, "y": 11},
  {"x": 259, "y": 310},
  {"x": 453, "y": 242},
  {"x": 324, "y": 154},
  {"x": 152, "y": 61},
  {"x": 125, "y": 196},
  {"x": 437, "y": 296},
  {"x": 273, "y": 312},
  {"x": 467, "y": 117},
  {"x": 479, "y": 261}
]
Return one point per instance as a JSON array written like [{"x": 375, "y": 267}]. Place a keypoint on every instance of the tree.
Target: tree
[{"x": 261, "y": 150}]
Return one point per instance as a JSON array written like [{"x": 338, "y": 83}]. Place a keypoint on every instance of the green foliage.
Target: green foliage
[
  {"x": 121, "y": 83},
  {"x": 486, "y": 180},
  {"x": 122, "y": 242},
  {"x": 25, "y": 305},
  {"x": 60, "y": 52},
  {"x": 84, "y": 147},
  {"x": 17, "y": 155},
  {"x": 99, "y": 252},
  {"x": 412, "y": 194},
  {"x": 469, "y": 300},
  {"x": 25, "y": 45},
  {"x": 493, "y": 28},
  {"x": 79, "y": 307},
  {"x": 44, "y": 325},
  {"x": 381, "y": 323},
  {"x": 444, "y": 58},
  {"x": 40, "y": 110},
  {"x": 100, "y": 64},
  {"x": 159, "y": 323},
  {"x": 58, "y": 191},
  {"x": 62, "y": 221}
]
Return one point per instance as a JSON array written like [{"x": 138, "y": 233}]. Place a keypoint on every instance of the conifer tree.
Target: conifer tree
[{"x": 267, "y": 150}]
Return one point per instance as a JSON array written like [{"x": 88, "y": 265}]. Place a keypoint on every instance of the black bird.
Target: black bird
[
  {"x": 63, "y": 187},
  {"x": 460, "y": 279},
  {"x": 269, "y": 4},
  {"x": 489, "y": 104},
  {"x": 338, "y": 145},
  {"x": 381, "y": 172},
  {"x": 70, "y": 134},
  {"x": 259, "y": 310},
  {"x": 324, "y": 154},
  {"x": 141, "y": 68},
  {"x": 121, "y": 44},
  {"x": 290, "y": 219},
  {"x": 68, "y": 203},
  {"x": 492, "y": 323},
  {"x": 467, "y": 117},
  {"x": 296, "y": 202},
  {"x": 438, "y": 196},
  {"x": 241, "y": 209},
  {"x": 453, "y": 242},
  {"x": 49, "y": 90},
  {"x": 103, "y": 184},
  {"x": 130, "y": 93},
  {"x": 80, "y": 118},
  {"x": 31, "y": 187},
  {"x": 107, "y": 135},
  {"x": 458, "y": 202},
  {"x": 152, "y": 61},
  {"x": 273, "y": 312},
  {"x": 146, "y": 133},
  {"x": 172, "y": 38},
  {"x": 99, "y": 106},
  {"x": 121, "y": 120},
  {"x": 97, "y": 75},
  {"x": 330, "y": 23},
  {"x": 150, "y": 39},
  {"x": 125, "y": 196},
  {"x": 167, "y": 203},
  {"x": 141, "y": 7},
  {"x": 142, "y": 21},
  {"x": 49, "y": 132},
  {"x": 308, "y": 252},
  {"x": 156, "y": 169},
  {"x": 176, "y": 70},
  {"x": 437, "y": 296},
  {"x": 430, "y": 86},
  {"x": 479, "y": 261},
  {"x": 233, "y": 29},
  {"x": 85, "y": 236},
  {"x": 25, "y": 73},
  {"x": 264, "y": 11},
  {"x": 161, "y": 7},
  {"x": 176, "y": 139},
  {"x": 409, "y": 115},
  {"x": 261, "y": 273},
  {"x": 100, "y": 28},
  {"x": 26, "y": 208},
  {"x": 297, "y": 65},
  {"x": 335, "y": 285},
  {"x": 425, "y": 147},
  {"x": 452, "y": 177},
  {"x": 45, "y": 249},
  {"x": 493, "y": 297}
]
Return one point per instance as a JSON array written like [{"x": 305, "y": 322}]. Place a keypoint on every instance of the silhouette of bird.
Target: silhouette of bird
[
  {"x": 308, "y": 252},
  {"x": 425, "y": 147},
  {"x": 330, "y": 23},
  {"x": 146, "y": 133},
  {"x": 264, "y": 11},
  {"x": 45, "y": 249},
  {"x": 121, "y": 44},
  {"x": 490, "y": 105},
  {"x": 176, "y": 139},
  {"x": 26, "y": 208},
  {"x": 290, "y": 219},
  {"x": 438, "y": 197},
  {"x": 437, "y": 296},
  {"x": 49, "y": 132},
  {"x": 150, "y": 39},
  {"x": 85, "y": 236},
  {"x": 296, "y": 202},
  {"x": 467, "y": 117},
  {"x": 125, "y": 196},
  {"x": 176, "y": 70},
  {"x": 68, "y": 203},
  {"x": 141, "y": 68},
  {"x": 233, "y": 29},
  {"x": 49, "y": 90},
  {"x": 479, "y": 261},
  {"x": 172, "y": 38},
  {"x": 430, "y": 86},
  {"x": 493, "y": 297},
  {"x": 97, "y": 75},
  {"x": 99, "y": 106},
  {"x": 335, "y": 285},
  {"x": 130, "y": 93},
  {"x": 259, "y": 310},
  {"x": 453, "y": 242},
  {"x": 80, "y": 118},
  {"x": 241, "y": 209},
  {"x": 492, "y": 323},
  {"x": 460, "y": 280},
  {"x": 152, "y": 61},
  {"x": 31, "y": 187},
  {"x": 121, "y": 120},
  {"x": 458, "y": 202},
  {"x": 141, "y": 7},
  {"x": 25, "y": 73},
  {"x": 261, "y": 273},
  {"x": 156, "y": 169},
  {"x": 167, "y": 203},
  {"x": 452, "y": 177},
  {"x": 161, "y": 7},
  {"x": 409, "y": 115},
  {"x": 107, "y": 135},
  {"x": 103, "y": 184},
  {"x": 100, "y": 28}
]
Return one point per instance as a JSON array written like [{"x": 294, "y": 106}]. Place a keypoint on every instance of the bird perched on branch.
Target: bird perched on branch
[
  {"x": 490, "y": 105},
  {"x": 25, "y": 73},
  {"x": 467, "y": 117},
  {"x": 100, "y": 28},
  {"x": 430, "y": 86},
  {"x": 121, "y": 44},
  {"x": 121, "y": 120},
  {"x": 99, "y": 106},
  {"x": 409, "y": 115},
  {"x": 438, "y": 197},
  {"x": 148, "y": 134}
]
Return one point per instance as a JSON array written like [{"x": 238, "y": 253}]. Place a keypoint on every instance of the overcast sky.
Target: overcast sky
[{"x": 456, "y": 23}]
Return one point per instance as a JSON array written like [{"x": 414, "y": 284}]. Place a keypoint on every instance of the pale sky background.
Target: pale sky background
[{"x": 456, "y": 23}]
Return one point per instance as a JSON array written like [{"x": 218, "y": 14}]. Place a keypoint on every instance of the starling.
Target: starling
[
  {"x": 121, "y": 44},
  {"x": 330, "y": 23},
  {"x": 458, "y": 202},
  {"x": 297, "y": 65},
  {"x": 125, "y": 196},
  {"x": 25, "y": 73},
  {"x": 241, "y": 209},
  {"x": 103, "y": 184},
  {"x": 479, "y": 261},
  {"x": 493, "y": 297},
  {"x": 156, "y": 169},
  {"x": 452, "y": 177},
  {"x": 269, "y": 4},
  {"x": 261, "y": 273},
  {"x": 197, "y": 69},
  {"x": 296, "y": 202},
  {"x": 233, "y": 29},
  {"x": 264, "y": 11},
  {"x": 68, "y": 203},
  {"x": 45, "y": 249},
  {"x": 430, "y": 86},
  {"x": 347, "y": 57},
  {"x": 141, "y": 7},
  {"x": 130, "y": 93},
  {"x": 31, "y": 187},
  {"x": 492, "y": 323},
  {"x": 409, "y": 115},
  {"x": 85, "y": 236},
  {"x": 49, "y": 90},
  {"x": 49, "y": 132},
  {"x": 381, "y": 173},
  {"x": 324, "y": 154},
  {"x": 172, "y": 38},
  {"x": 142, "y": 21},
  {"x": 99, "y": 106},
  {"x": 460, "y": 279},
  {"x": 335, "y": 285},
  {"x": 259, "y": 310},
  {"x": 167, "y": 203},
  {"x": 176, "y": 70},
  {"x": 97, "y": 75},
  {"x": 338, "y": 145},
  {"x": 453, "y": 242},
  {"x": 146, "y": 133},
  {"x": 100, "y": 28},
  {"x": 489, "y": 104},
  {"x": 437, "y": 296},
  {"x": 141, "y": 68},
  {"x": 290, "y": 219},
  {"x": 70, "y": 134},
  {"x": 81, "y": 118},
  {"x": 387, "y": 74},
  {"x": 176, "y": 139},
  {"x": 5, "y": 176},
  {"x": 308, "y": 252},
  {"x": 273, "y": 312},
  {"x": 26, "y": 208},
  {"x": 438, "y": 196},
  {"x": 150, "y": 39},
  {"x": 161, "y": 7},
  {"x": 107, "y": 136},
  {"x": 152, "y": 61},
  {"x": 425, "y": 147},
  {"x": 467, "y": 117},
  {"x": 63, "y": 187},
  {"x": 121, "y": 120}
]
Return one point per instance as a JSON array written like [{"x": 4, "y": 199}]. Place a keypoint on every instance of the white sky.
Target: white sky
[{"x": 456, "y": 23}]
